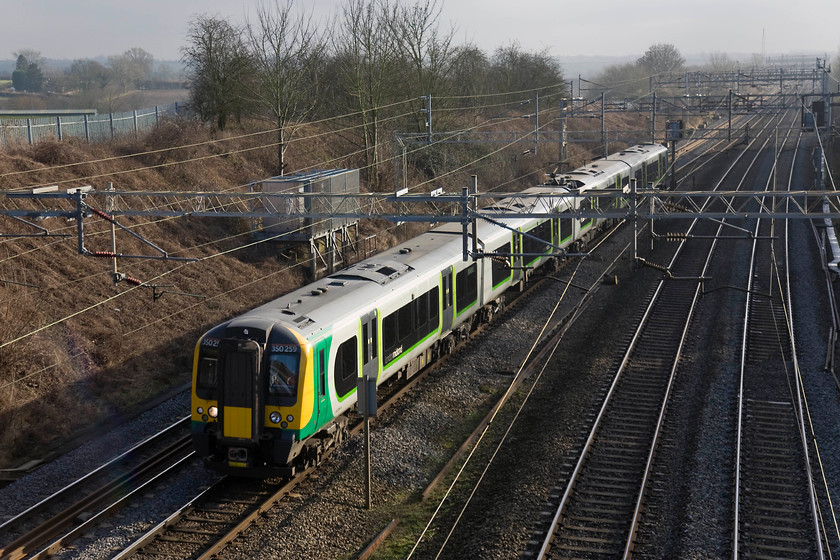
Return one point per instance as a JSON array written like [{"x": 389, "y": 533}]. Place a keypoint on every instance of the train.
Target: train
[{"x": 272, "y": 388}]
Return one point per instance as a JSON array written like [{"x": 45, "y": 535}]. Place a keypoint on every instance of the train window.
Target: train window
[
  {"x": 542, "y": 233},
  {"x": 322, "y": 364},
  {"x": 466, "y": 288},
  {"x": 434, "y": 309},
  {"x": 410, "y": 324},
  {"x": 500, "y": 266},
  {"x": 374, "y": 343},
  {"x": 585, "y": 222},
  {"x": 421, "y": 316},
  {"x": 389, "y": 333},
  {"x": 365, "y": 344},
  {"x": 404, "y": 322},
  {"x": 207, "y": 377},
  {"x": 369, "y": 341},
  {"x": 283, "y": 374},
  {"x": 447, "y": 291},
  {"x": 565, "y": 229},
  {"x": 346, "y": 367}
]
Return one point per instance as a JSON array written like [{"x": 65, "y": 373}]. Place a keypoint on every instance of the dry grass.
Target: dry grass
[{"x": 90, "y": 348}]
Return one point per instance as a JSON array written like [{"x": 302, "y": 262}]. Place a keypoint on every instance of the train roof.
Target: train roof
[
  {"x": 601, "y": 169},
  {"x": 335, "y": 298}
]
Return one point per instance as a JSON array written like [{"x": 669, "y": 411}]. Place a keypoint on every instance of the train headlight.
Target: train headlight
[
  {"x": 200, "y": 410},
  {"x": 274, "y": 417},
  {"x": 213, "y": 412},
  {"x": 290, "y": 418}
]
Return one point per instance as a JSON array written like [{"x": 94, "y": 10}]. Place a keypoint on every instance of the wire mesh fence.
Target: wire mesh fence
[{"x": 91, "y": 127}]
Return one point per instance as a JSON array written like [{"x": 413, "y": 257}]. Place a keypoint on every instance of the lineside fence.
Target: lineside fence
[{"x": 93, "y": 128}]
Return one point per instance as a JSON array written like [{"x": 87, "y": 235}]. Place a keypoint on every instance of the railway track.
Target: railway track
[
  {"x": 37, "y": 526},
  {"x": 600, "y": 509},
  {"x": 205, "y": 526},
  {"x": 774, "y": 510},
  {"x": 43, "y": 528}
]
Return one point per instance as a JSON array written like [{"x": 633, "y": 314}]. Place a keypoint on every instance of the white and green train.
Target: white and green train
[{"x": 271, "y": 387}]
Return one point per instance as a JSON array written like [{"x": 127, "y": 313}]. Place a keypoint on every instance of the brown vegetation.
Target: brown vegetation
[{"x": 75, "y": 348}]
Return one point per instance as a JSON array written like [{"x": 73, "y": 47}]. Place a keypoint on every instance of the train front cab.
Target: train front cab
[{"x": 254, "y": 399}]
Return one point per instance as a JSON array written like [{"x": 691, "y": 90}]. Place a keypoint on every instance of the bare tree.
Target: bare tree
[
  {"x": 720, "y": 62},
  {"x": 365, "y": 50},
  {"x": 31, "y": 55},
  {"x": 661, "y": 58},
  {"x": 469, "y": 72},
  {"x": 426, "y": 53},
  {"x": 287, "y": 51},
  {"x": 514, "y": 69},
  {"x": 87, "y": 75},
  {"x": 622, "y": 81},
  {"x": 217, "y": 67},
  {"x": 131, "y": 69}
]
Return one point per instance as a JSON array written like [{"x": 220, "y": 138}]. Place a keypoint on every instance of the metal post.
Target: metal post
[
  {"x": 80, "y": 220},
  {"x": 58, "y": 126},
  {"x": 29, "y": 130},
  {"x": 465, "y": 213},
  {"x": 313, "y": 263},
  {"x": 110, "y": 208},
  {"x": 653, "y": 120},
  {"x": 428, "y": 111},
  {"x": 367, "y": 456},
  {"x": 136, "y": 132},
  {"x": 633, "y": 217},
  {"x": 729, "y": 128},
  {"x": 673, "y": 164},
  {"x": 474, "y": 220},
  {"x": 87, "y": 129},
  {"x": 562, "y": 155},
  {"x": 536, "y": 122},
  {"x": 603, "y": 124}
]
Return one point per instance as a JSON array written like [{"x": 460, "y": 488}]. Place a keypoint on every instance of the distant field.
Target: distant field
[
  {"x": 134, "y": 99},
  {"x": 154, "y": 97}
]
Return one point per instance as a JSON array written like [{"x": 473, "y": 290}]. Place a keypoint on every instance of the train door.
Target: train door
[
  {"x": 324, "y": 411},
  {"x": 370, "y": 343},
  {"x": 447, "y": 294},
  {"x": 240, "y": 390},
  {"x": 516, "y": 260}
]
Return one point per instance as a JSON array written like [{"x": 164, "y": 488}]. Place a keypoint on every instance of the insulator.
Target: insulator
[
  {"x": 101, "y": 214},
  {"x": 133, "y": 281},
  {"x": 108, "y": 254}
]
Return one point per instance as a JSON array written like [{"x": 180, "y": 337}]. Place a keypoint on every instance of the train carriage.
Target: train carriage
[{"x": 272, "y": 386}]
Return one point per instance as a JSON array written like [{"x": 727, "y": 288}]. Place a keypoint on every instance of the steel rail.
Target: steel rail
[
  {"x": 608, "y": 398},
  {"x": 796, "y": 397}
]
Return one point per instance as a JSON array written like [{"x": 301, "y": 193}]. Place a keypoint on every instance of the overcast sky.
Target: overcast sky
[{"x": 74, "y": 29}]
